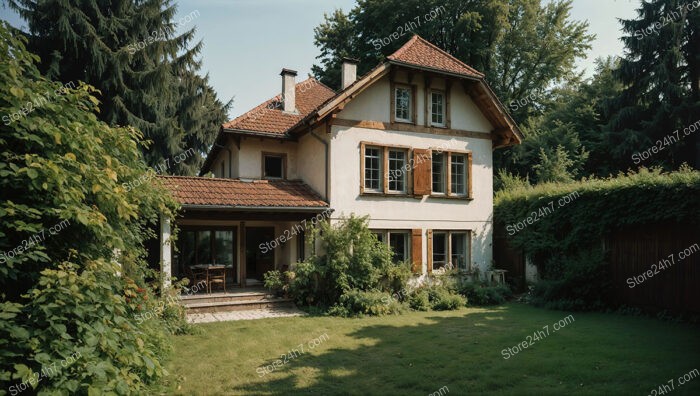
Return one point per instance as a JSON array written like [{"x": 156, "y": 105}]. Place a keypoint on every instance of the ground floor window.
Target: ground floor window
[
  {"x": 398, "y": 241},
  {"x": 202, "y": 246},
  {"x": 451, "y": 250}
]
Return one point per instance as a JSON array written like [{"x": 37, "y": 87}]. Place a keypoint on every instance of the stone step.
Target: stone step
[
  {"x": 237, "y": 305},
  {"x": 224, "y": 297}
]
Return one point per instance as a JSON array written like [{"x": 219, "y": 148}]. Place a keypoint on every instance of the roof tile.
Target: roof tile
[
  {"x": 234, "y": 192},
  {"x": 420, "y": 52}
]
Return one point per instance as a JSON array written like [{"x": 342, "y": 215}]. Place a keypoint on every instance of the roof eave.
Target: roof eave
[
  {"x": 434, "y": 70},
  {"x": 290, "y": 209}
]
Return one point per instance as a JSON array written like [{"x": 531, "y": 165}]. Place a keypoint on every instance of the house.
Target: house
[{"x": 409, "y": 144}]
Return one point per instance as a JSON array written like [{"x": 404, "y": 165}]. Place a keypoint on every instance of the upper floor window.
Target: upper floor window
[
  {"x": 450, "y": 173},
  {"x": 373, "y": 168},
  {"x": 397, "y": 170},
  {"x": 458, "y": 162},
  {"x": 274, "y": 166},
  {"x": 402, "y": 104},
  {"x": 384, "y": 169},
  {"x": 437, "y": 108},
  {"x": 439, "y": 173}
]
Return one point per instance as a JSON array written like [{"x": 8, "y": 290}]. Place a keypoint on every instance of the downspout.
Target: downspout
[{"x": 325, "y": 144}]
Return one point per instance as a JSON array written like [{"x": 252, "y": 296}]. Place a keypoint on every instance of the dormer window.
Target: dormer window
[
  {"x": 274, "y": 166},
  {"x": 403, "y": 97},
  {"x": 437, "y": 108}
]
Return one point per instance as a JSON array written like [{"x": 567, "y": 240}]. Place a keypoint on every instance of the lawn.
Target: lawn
[{"x": 421, "y": 352}]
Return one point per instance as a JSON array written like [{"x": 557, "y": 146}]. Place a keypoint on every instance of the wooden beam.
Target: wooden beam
[{"x": 405, "y": 127}]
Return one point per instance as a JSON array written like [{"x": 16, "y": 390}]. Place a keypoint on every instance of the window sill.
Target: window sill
[
  {"x": 404, "y": 122},
  {"x": 383, "y": 194},
  {"x": 457, "y": 197}
]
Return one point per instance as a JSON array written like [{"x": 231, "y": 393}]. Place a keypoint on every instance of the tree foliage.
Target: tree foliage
[
  {"x": 145, "y": 71},
  {"x": 522, "y": 46},
  {"x": 71, "y": 239}
]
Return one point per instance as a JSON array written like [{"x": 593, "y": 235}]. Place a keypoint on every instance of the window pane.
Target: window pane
[
  {"x": 204, "y": 247},
  {"x": 438, "y": 172},
  {"x": 398, "y": 241},
  {"x": 373, "y": 169},
  {"x": 403, "y": 104},
  {"x": 459, "y": 251},
  {"x": 397, "y": 174},
  {"x": 459, "y": 174},
  {"x": 274, "y": 166},
  {"x": 439, "y": 250},
  {"x": 437, "y": 108},
  {"x": 379, "y": 235},
  {"x": 223, "y": 243},
  {"x": 187, "y": 251}
]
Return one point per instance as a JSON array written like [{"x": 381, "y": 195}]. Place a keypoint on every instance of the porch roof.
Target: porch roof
[{"x": 208, "y": 192}]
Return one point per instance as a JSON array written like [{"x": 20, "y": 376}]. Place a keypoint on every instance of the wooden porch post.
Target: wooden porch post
[{"x": 241, "y": 250}]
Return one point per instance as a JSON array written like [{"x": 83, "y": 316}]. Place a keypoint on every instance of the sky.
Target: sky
[{"x": 248, "y": 42}]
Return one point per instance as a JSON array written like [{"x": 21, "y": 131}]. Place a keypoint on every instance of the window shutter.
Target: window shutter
[
  {"x": 430, "y": 251},
  {"x": 417, "y": 251},
  {"x": 421, "y": 172}
]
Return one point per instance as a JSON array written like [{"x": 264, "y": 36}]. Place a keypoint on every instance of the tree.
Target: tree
[
  {"x": 71, "y": 239},
  {"x": 660, "y": 72},
  {"x": 145, "y": 73},
  {"x": 522, "y": 47}
]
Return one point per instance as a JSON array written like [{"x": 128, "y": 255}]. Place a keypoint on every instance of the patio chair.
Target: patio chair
[
  {"x": 196, "y": 275},
  {"x": 217, "y": 276}
]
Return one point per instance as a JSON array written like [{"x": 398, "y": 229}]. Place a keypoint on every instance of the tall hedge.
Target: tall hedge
[
  {"x": 71, "y": 241},
  {"x": 568, "y": 222}
]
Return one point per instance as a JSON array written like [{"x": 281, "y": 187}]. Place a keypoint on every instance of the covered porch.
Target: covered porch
[{"x": 231, "y": 232}]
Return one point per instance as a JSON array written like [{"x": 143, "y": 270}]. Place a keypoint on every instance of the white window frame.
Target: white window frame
[
  {"x": 465, "y": 174},
  {"x": 443, "y": 112},
  {"x": 380, "y": 174},
  {"x": 443, "y": 175},
  {"x": 409, "y": 104},
  {"x": 401, "y": 171}
]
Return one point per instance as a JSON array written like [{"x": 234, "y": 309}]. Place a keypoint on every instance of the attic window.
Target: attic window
[
  {"x": 402, "y": 104},
  {"x": 274, "y": 166}
]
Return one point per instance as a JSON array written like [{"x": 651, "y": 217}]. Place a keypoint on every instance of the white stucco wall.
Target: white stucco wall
[
  {"x": 311, "y": 164},
  {"x": 250, "y": 157}
]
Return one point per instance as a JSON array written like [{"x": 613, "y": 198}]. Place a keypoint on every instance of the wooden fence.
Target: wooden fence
[{"x": 673, "y": 285}]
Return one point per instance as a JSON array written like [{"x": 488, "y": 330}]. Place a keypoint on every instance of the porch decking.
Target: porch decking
[{"x": 236, "y": 299}]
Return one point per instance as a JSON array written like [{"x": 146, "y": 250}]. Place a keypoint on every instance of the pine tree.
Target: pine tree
[
  {"x": 146, "y": 72},
  {"x": 661, "y": 76}
]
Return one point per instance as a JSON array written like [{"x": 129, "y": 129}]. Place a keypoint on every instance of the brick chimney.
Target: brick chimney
[
  {"x": 289, "y": 90},
  {"x": 349, "y": 72}
]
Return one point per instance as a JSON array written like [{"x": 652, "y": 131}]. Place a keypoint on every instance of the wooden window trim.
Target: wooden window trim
[
  {"x": 448, "y": 90},
  {"x": 384, "y": 150},
  {"x": 448, "y": 253},
  {"x": 273, "y": 154},
  {"x": 412, "y": 106},
  {"x": 448, "y": 188},
  {"x": 417, "y": 251}
]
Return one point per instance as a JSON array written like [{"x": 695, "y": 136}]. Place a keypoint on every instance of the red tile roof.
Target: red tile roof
[
  {"x": 239, "y": 193},
  {"x": 269, "y": 117},
  {"x": 420, "y": 52}
]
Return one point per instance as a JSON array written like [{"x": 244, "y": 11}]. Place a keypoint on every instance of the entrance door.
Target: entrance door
[{"x": 259, "y": 257}]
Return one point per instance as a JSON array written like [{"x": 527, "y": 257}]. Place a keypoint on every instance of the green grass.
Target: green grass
[{"x": 420, "y": 352}]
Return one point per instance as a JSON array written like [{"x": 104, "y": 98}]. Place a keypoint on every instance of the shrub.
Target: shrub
[
  {"x": 442, "y": 299},
  {"x": 374, "y": 303},
  {"x": 419, "y": 300},
  {"x": 352, "y": 260},
  {"x": 78, "y": 289},
  {"x": 480, "y": 294}
]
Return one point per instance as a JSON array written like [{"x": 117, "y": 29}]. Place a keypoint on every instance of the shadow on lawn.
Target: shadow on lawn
[{"x": 413, "y": 359}]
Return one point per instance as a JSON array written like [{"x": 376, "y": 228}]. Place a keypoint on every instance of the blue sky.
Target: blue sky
[{"x": 248, "y": 42}]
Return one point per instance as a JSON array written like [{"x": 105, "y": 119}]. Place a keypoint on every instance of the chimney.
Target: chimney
[
  {"x": 289, "y": 90},
  {"x": 349, "y": 72}
]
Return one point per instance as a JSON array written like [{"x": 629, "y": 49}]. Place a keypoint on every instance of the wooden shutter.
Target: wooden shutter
[
  {"x": 430, "y": 251},
  {"x": 421, "y": 172},
  {"x": 417, "y": 251}
]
